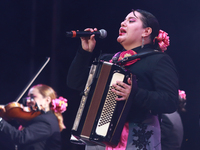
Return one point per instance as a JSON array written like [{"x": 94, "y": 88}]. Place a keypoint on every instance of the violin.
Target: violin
[{"x": 17, "y": 111}]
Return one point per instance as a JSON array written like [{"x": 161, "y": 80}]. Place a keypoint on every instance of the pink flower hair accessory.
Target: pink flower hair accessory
[
  {"x": 182, "y": 101},
  {"x": 59, "y": 105},
  {"x": 182, "y": 94},
  {"x": 163, "y": 40}
]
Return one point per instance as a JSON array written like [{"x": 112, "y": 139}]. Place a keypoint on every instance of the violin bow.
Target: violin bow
[{"x": 46, "y": 62}]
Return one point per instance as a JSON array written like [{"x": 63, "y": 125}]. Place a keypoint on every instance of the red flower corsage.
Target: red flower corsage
[{"x": 128, "y": 54}]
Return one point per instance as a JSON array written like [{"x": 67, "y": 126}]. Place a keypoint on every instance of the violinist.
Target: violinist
[{"x": 44, "y": 131}]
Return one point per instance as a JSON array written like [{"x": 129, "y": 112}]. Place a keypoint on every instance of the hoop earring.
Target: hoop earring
[{"x": 142, "y": 42}]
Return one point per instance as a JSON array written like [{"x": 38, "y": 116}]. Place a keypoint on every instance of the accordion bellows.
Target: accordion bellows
[{"x": 100, "y": 118}]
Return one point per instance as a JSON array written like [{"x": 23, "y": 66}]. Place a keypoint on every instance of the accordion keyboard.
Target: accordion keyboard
[{"x": 108, "y": 108}]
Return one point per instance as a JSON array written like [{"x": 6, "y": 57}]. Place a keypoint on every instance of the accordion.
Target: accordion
[{"x": 100, "y": 118}]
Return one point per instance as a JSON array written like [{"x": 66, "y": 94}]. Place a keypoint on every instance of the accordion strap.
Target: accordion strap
[{"x": 139, "y": 55}]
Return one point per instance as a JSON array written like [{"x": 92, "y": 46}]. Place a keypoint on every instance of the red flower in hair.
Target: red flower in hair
[
  {"x": 182, "y": 94},
  {"x": 59, "y": 105},
  {"x": 163, "y": 40}
]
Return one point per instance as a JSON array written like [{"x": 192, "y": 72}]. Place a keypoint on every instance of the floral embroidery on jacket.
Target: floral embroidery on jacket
[{"x": 142, "y": 137}]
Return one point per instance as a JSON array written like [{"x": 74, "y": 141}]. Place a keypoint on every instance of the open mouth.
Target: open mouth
[{"x": 122, "y": 31}]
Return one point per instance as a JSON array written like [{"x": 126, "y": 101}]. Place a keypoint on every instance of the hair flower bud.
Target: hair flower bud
[
  {"x": 182, "y": 94},
  {"x": 182, "y": 101},
  {"x": 163, "y": 40},
  {"x": 59, "y": 105}
]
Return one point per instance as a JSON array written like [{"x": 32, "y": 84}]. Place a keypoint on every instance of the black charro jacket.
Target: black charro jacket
[
  {"x": 157, "y": 81},
  {"x": 41, "y": 133}
]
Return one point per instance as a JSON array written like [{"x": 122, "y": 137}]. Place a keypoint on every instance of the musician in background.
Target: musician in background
[
  {"x": 156, "y": 75},
  {"x": 44, "y": 131},
  {"x": 172, "y": 127}
]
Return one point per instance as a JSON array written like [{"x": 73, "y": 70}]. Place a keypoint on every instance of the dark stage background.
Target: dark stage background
[{"x": 31, "y": 30}]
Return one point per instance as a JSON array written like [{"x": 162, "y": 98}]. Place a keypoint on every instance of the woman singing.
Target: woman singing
[{"x": 156, "y": 76}]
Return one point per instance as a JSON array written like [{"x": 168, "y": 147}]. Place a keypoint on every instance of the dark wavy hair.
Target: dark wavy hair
[{"x": 149, "y": 20}]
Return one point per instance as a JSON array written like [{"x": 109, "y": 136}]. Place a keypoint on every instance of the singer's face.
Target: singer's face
[{"x": 130, "y": 32}]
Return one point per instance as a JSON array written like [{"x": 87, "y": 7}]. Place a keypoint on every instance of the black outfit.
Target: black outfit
[
  {"x": 41, "y": 133},
  {"x": 157, "y": 88},
  {"x": 156, "y": 74}
]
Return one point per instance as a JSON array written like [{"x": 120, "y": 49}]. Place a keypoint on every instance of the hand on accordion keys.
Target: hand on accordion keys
[{"x": 123, "y": 90}]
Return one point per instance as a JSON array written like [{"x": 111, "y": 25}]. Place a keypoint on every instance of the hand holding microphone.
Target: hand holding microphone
[
  {"x": 101, "y": 33},
  {"x": 87, "y": 37}
]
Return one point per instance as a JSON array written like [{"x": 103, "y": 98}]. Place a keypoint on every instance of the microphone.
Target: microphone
[{"x": 101, "y": 33}]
